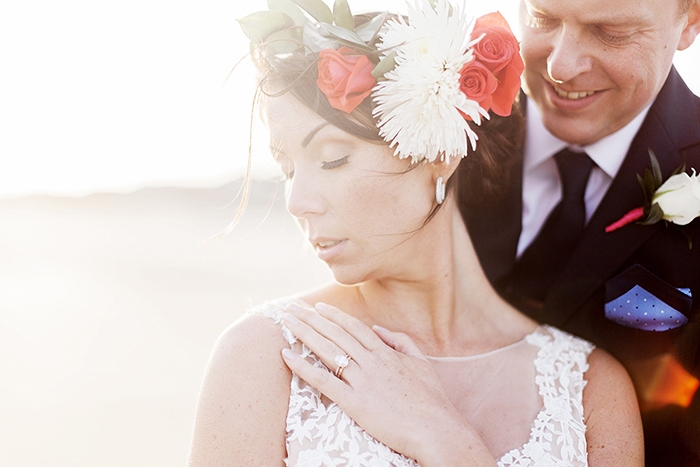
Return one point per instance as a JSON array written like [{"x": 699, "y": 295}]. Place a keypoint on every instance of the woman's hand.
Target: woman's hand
[{"x": 388, "y": 387}]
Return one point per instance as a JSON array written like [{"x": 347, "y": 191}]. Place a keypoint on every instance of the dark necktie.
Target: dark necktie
[{"x": 548, "y": 253}]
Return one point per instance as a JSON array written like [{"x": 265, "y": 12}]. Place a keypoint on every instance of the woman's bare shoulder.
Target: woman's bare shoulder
[
  {"x": 243, "y": 402},
  {"x": 605, "y": 372},
  {"x": 253, "y": 333},
  {"x": 247, "y": 357},
  {"x": 613, "y": 423}
]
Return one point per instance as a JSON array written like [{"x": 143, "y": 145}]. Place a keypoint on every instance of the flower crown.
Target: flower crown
[{"x": 428, "y": 75}]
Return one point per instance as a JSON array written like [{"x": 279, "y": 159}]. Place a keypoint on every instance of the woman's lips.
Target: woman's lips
[
  {"x": 327, "y": 244},
  {"x": 328, "y": 249}
]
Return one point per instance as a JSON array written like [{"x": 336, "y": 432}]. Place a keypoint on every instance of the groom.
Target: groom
[{"x": 599, "y": 81}]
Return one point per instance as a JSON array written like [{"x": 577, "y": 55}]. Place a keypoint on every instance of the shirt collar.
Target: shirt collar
[{"x": 608, "y": 153}]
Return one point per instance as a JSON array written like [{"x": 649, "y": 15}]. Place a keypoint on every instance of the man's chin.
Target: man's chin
[{"x": 575, "y": 130}]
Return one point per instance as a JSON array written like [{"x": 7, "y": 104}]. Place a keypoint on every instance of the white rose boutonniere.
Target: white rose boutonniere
[{"x": 677, "y": 200}]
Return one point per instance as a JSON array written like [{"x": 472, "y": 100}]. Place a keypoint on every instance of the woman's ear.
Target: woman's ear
[
  {"x": 445, "y": 169},
  {"x": 442, "y": 171}
]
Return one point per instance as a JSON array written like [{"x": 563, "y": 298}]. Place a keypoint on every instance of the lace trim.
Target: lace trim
[
  {"x": 558, "y": 435},
  {"x": 324, "y": 435}
]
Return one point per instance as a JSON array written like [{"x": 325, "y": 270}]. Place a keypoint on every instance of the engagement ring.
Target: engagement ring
[{"x": 342, "y": 361}]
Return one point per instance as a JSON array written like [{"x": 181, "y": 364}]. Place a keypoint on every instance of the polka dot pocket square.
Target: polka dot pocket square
[{"x": 638, "y": 299}]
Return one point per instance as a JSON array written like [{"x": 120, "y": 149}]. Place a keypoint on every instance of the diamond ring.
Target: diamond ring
[{"x": 342, "y": 361}]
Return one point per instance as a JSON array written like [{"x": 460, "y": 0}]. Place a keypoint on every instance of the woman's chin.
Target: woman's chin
[
  {"x": 346, "y": 281},
  {"x": 345, "y": 276}
]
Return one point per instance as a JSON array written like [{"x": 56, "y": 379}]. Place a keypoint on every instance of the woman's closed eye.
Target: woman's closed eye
[
  {"x": 288, "y": 167},
  {"x": 335, "y": 163}
]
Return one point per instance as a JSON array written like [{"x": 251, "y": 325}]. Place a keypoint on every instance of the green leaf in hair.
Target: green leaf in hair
[
  {"x": 257, "y": 26},
  {"x": 317, "y": 9},
  {"x": 315, "y": 41},
  {"x": 370, "y": 30},
  {"x": 385, "y": 65},
  {"x": 285, "y": 40},
  {"x": 341, "y": 33},
  {"x": 290, "y": 9},
  {"x": 342, "y": 16}
]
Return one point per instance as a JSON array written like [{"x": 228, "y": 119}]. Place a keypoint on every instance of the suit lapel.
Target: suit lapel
[{"x": 600, "y": 254}]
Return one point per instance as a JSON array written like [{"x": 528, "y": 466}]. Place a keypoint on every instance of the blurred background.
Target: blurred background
[{"x": 124, "y": 132}]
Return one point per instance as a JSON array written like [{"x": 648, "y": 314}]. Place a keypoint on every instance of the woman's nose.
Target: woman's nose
[{"x": 304, "y": 195}]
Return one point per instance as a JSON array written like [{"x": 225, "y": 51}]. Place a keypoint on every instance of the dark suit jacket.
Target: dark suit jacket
[{"x": 576, "y": 301}]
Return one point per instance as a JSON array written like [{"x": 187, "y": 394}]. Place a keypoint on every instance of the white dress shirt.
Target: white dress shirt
[{"x": 541, "y": 182}]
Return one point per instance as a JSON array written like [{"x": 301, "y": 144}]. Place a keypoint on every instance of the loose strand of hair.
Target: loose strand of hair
[{"x": 247, "y": 181}]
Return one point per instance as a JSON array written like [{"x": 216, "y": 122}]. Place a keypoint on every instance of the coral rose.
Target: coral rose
[
  {"x": 499, "y": 51},
  {"x": 345, "y": 77},
  {"x": 478, "y": 83}
]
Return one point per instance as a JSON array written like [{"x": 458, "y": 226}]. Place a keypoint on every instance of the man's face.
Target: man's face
[{"x": 592, "y": 65}]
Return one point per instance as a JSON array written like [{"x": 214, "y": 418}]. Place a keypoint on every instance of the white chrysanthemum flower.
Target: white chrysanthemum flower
[{"x": 419, "y": 102}]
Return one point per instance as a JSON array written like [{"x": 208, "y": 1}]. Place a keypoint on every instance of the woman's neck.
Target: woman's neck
[{"x": 443, "y": 301}]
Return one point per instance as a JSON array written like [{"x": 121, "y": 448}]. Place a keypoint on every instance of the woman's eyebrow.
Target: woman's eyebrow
[{"x": 311, "y": 134}]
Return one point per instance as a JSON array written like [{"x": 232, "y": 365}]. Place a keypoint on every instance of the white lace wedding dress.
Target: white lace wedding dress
[{"x": 525, "y": 400}]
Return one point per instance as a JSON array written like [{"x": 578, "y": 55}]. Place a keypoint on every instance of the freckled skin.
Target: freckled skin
[
  {"x": 622, "y": 49},
  {"x": 335, "y": 190}
]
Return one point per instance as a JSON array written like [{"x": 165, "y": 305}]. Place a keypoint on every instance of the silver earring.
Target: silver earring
[{"x": 439, "y": 190}]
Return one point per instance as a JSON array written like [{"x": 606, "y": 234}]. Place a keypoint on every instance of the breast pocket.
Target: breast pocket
[{"x": 638, "y": 299}]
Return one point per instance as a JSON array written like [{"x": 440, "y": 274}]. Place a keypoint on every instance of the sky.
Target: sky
[{"x": 114, "y": 96}]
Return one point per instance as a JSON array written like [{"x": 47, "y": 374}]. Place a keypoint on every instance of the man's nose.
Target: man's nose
[{"x": 569, "y": 56}]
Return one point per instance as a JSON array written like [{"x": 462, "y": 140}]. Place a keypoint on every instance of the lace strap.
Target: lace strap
[
  {"x": 274, "y": 310},
  {"x": 560, "y": 364}
]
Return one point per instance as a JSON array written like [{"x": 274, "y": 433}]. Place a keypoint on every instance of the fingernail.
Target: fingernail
[
  {"x": 291, "y": 319},
  {"x": 288, "y": 354},
  {"x": 323, "y": 306},
  {"x": 377, "y": 327},
  {"x": 294, "y": 307}
]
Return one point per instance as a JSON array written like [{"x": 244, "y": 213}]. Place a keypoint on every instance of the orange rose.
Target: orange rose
[
  {"x": 345, "y": 77},
  {"x": 478, "y": 83},
  {"x": 499, "y": 51}
]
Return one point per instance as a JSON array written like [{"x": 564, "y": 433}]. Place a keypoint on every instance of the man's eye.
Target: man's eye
[
  {"x": 614, "y": 39},
  {"x": 335, "y": 164},
  {"x": 539, "y": 23},
  {"x": 537, "y": 20}
]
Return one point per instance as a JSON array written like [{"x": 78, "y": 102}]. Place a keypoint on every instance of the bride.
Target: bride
[{"x": 371, "y": 159}]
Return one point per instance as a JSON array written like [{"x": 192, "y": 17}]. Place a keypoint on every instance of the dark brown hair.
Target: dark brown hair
[{"x": 485, "y": 172}]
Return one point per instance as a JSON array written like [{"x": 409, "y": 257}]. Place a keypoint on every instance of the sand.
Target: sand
[{"x": 110, "y": 306}]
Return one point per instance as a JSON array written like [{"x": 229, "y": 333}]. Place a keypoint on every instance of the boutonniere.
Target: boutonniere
[{"x": 677, "y": 200}]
